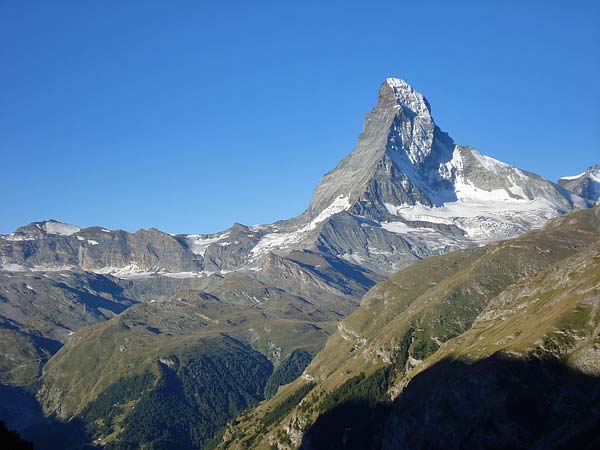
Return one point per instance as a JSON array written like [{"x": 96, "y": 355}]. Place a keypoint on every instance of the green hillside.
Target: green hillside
[{"x": 527, "y": 308}]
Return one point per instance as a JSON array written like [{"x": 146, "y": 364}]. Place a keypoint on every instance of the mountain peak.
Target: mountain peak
[
  {"x": 49, "y": 226},
  {"x": 396, "y": 158},
  {"x": 406, "y": 96},
  {"x": 586, "y": 184},
  {"x": 403, "y": 158}
]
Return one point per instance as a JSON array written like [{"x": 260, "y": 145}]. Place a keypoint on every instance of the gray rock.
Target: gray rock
[{"x": 586, "y": 184}]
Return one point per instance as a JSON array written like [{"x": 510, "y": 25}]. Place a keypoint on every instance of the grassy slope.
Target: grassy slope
[
  {"x": 562, "y": 302},
  {"x": 37, "y": 313},
  {"x": 429, "y": 311},
  {"x": 99, "y": 359},
  {"x": 127, "y": 344}
]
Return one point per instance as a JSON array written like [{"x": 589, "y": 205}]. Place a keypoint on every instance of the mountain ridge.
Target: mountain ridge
[
  {"x": 586, "y": 184},
  {"x": 405, "y": 175}
]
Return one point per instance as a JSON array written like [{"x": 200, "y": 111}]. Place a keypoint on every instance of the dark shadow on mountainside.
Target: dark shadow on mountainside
[
  {"x": 496, "y": 403},
  {"x": 21, "y": 412}
]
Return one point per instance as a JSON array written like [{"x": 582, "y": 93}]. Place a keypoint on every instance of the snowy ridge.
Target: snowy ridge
[
  {"x": 51, "y": 227},
  {"x": 406, "y": 96},
  {"x": 467, "y": 191},
  {"x": 573, "y": 177},
  {"x": 493, "y": 201},
  {"x": 133, "y": 270},
  {"x": 586, "y": 184},
  {"x": 490, "y": 163},
  {"x": 283, "y": 241}
]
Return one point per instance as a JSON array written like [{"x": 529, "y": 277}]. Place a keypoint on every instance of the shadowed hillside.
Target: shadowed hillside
[{"x": 498, "y": 402}]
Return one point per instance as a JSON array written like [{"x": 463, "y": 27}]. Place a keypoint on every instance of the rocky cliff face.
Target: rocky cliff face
[
  {"x": 585, "y": 185},
  {"x": 51, "y": 245},
  {"x": 396, "y": 159}
]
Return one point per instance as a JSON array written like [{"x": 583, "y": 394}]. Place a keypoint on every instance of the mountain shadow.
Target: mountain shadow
[
  {"x": 496, "y": 403},
  {"x": 11, "y": 440},
  {"x": 21, "y": 412}
]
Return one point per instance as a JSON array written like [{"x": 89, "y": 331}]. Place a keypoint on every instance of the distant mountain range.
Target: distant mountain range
[
  {"x": 85, "y": 312},
  {"x": 405, "y": 192}
]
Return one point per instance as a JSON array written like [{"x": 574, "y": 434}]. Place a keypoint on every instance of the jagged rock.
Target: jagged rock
[{"x": 586, "y": 184}]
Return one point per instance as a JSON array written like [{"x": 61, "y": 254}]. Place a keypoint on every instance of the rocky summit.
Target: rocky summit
[
  {"x": 108, "y": 332},
  {"x": 586, "y": 184}
]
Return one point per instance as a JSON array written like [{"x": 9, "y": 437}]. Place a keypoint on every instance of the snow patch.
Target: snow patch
[
  {"x": 63, "y": 229},
  {"x": 89, "y": 241},
  {"x": 198, "y": 243},
  {"x": 425, "y": 237},
  {"x": 12, "y": 267},
  {"x": 573, "y": 177},
  {"x": 280, "y": 241},
  {"x": 489, "y": 163},
  {"x": 18, "y": 237},
  {"x": 340, "y": 204},
  {"x": 482, "y": 221},
  {"x": 134, "y": 271}
]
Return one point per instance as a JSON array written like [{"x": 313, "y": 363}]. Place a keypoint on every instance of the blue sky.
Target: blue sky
[{"x": 189, "y": 116}]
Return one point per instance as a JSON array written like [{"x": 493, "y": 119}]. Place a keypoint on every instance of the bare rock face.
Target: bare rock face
[
  {"x": 399, "y": 133},
  {"x": 52, "y": 245},
  {"x": 586, "y": 184}
]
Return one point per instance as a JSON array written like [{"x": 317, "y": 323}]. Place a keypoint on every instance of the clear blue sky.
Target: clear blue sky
[{"x": 189, "y": 116}]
